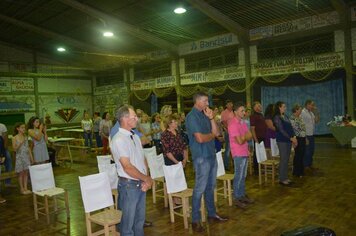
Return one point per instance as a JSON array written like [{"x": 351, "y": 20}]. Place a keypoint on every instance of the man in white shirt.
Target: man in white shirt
[
  {"x": 310, "y": 117},
  {"x": 8, "y": 159},
  {"x": 134, "y": 181}
]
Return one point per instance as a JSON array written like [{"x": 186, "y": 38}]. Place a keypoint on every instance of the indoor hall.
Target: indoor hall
[{"x": 67, "y": 65}]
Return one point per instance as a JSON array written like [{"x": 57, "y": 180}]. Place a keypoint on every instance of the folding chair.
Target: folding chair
[
  {"x": 270, "y": 165},
  {"x": 104, "y": 165},
  {"x": 155, "y": 164},
  {"x": 226, "y": 178},
  {"x": 97, "y": 197},
  {"x": 177, "y": 187},
  {"x": 43, "y": 186}
]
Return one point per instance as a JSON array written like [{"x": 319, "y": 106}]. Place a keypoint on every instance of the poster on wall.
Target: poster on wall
[
  {"x": 18, "y": 103},
  {"x": 9, "y": 84},
  {"x": 64, "y": 108},
  {"x": 107, "y": 98}
]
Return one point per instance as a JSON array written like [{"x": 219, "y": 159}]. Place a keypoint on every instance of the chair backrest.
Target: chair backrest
[
  {"x": 175, "y": 178},
  {"x": 274, "y": 148},
  {"x": 155, "y": 164},
  {"x": 221, "y": 168},
  {"x": 111, "y": 171},
  {"x": 42, "y": 177},
  {"x": 261, "y": 155},
  {"x": 96, "y": 192},
  {"x": 102, "y": 161},
  {"x": 150, "y": 151}
]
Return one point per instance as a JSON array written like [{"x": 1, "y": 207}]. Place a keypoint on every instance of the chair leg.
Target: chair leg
[
  {"x": 66, "y": 202},
  {"x": 259, "y": 174},
  {"x": 202, "y": 210},
  {"x": 185, "y": 205},
  {"x": 87, "y": 221},
  {"x": 154, "y": 192},
  {"x": 165, "y": 195},
  {"x": 106, "y": 230},
  {"x": 35, "y": 207},
  {"x": 273, "y": 173},
  {"x": 225, "y": 189},
  {"x": 171, "y": 210},
  {"x": 265, "y": 173},
  {"x": 216, "y": 197},
  {"x": 229, "y": 191},
  {"x": 46, "y": 208}
]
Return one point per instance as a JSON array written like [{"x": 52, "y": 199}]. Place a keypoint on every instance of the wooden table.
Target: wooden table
[{"x": 59, "y": 144}]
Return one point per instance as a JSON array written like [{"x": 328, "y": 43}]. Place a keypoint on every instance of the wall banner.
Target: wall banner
[
  {"x": 306, "y": 23},
  {"x": 224, "y": 74},
  {"x": 208, "y": 44},
  {"x": 5, "y": 85},
  {"x": 22, "y": 85},
  {"x": 161, "y": 82},
  {"x": 300, "y": 64}
]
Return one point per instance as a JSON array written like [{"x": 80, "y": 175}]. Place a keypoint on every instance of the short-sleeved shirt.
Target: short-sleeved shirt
[
  {"x": 226, "y": 116},
  {"x": 237, "y": 127},
  {"x": 309, "y": 121},
  {"x": 3, "y": 129},
  {"x": 298, "y": 125},
  {"x": 126, "y": 144},
  {"x": 258, "y": 121},
  {"x": 87, "y": 125},
  {"x": 96, "y": 126},
  {"x": 172, "y": 143},
  {"x": 198, "y": 122},
  {"x": 156, "y": 136}
]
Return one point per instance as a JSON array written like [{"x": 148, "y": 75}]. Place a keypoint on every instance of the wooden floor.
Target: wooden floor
[{"x": 326, "y": 199}]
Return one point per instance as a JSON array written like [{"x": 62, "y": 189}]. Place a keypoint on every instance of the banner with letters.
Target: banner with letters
[
  {"x": 208, "y": 44},
  {"x": 306, "y": 23},
  {"x": 298, "y": 64},
  {"x": 10, "y": 84},
  {"x": 161, "y": 82}
]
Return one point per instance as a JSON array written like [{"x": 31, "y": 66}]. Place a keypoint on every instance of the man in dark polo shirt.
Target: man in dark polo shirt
[
  {"x": 202, "y": 131},
  {"x": 258, "y": 129}
]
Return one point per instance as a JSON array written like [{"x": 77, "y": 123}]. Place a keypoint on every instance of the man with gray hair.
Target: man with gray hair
[{"x": 134, "y": 180}]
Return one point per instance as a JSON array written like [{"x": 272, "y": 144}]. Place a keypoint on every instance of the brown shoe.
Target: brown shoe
[
  {"x": 217, "y": 218},
  {"x": 240, "y": 204},
  {"x": 197, "y": 227}
]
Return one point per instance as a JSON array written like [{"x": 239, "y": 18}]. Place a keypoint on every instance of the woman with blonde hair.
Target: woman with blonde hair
[{"x": 166, "y": 111}]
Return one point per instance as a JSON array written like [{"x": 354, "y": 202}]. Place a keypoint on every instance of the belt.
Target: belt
[{"x": 123, "y": 179}]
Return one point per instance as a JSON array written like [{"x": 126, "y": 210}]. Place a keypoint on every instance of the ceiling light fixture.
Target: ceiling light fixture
[
  {"x": 108, "y": 34},
  {"x": 61, "y": 49},
  {"x": 180, "y": 10}
]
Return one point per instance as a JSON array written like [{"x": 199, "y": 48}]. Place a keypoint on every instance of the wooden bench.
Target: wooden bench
[{"x": 7, "y": 175}]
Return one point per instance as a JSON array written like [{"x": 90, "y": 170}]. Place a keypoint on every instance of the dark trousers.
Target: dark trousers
[
  {"x": 255, "y": 163},
  {"x": 52, "y": 155},
  {"x": 309, "y": 152},
  {"x": 298, "y": 164}
]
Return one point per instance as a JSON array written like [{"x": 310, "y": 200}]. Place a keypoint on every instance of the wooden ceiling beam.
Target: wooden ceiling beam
[
  {"x": 132, "y": 30},
  {"x": 223, "y": 20}
]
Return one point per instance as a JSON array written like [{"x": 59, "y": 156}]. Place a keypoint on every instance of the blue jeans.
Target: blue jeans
[
  {"x": 284, "y": 153},
  {"x": 8, "y": 165},
  {"x": 99, "y": 143},
  {"x": 240, "y": 176},
  {"x": 227, "y": 151},
  {"x": 309, "y": 152},
  {"x": 205, "y": 181},
  {"x": 132, "y": 203},
  {"x": 88, "y": 139}
]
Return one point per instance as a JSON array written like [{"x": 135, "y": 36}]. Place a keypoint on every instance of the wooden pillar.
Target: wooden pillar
[
  {"x": 35, "y": 82},
  {"x": 178, "y": 67},
  {"x": 130, "y": 79},
  {"x": 350, "y": 93},
  {"x": 127, "y": 83}
]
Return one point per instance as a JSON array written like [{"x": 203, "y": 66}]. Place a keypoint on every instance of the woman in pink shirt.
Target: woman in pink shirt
[{"x": 239, "y": 135}]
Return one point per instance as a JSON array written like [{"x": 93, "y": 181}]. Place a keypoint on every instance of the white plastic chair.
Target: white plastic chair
[
  {"x": 43, "y": 186},
  {"x": 226, "y": 178},
  {"x": 155, "y": 164},
  {"x": 97, "y": 197},
  {"x": 177, "y": 187}
]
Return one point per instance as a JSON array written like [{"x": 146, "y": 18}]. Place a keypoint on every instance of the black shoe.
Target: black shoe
[
  {"x": 197, "y": 227},
  {"x": 217, "y": 218},
  {"x": 246, "y": 199},
  {"x": 147, "y": 224},
  {"x": 240, "y": 204}
]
